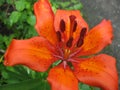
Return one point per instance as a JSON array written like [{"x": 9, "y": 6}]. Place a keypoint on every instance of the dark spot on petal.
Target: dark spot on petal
[
  {"x": 58, "y": 35},
  {"x": 81, "y": 38},
  {"x": 62, "y": 25},
  {"x": 69, "y": 42},
  {"x": 75, "y": 26}
]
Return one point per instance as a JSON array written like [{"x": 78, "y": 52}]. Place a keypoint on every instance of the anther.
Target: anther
[
  {"x": 73, "y": 23},
  {"x": 81, "y": 38},
  {"x": 75, "y": 26},
  {"x": 62, "y": 25},
  {"x": 83, "y": 32},
  {"x": 58, "y": 35},
  {"x": 69, "y": 42},
  {"x": 72, "y": 18}
]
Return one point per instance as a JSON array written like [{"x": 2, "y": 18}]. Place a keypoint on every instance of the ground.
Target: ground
[{"x": 95, "y": 11}]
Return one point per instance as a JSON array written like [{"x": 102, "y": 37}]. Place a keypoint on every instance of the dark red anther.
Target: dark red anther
[
  {"x": 72, "y": 18},
  {"x": 75, "y": 26},
  {"x": 83, "y": 32},
  {"x": 58, "y": 35},
  {"x": 81, "y": 38},
  {"x": 80, "y": 42},
  {"x": 62, "y": 25},
  {"x": 69, "y": 42},
  {"x": 73, "y": 23}
]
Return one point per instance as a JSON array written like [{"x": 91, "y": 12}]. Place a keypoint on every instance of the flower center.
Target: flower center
[
  {"x": 66, "y": 47},
  {"x": 66, "y": 54}
]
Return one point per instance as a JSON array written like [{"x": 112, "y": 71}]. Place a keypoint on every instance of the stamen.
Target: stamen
[
  {"x": 60, "y": 50},
  {"x": 74, "y": 54},
  {"x": 81, "y": 38},
  {"x": 69, "y": 42},
  {"x": 72, "y": 18},
  {"x": 62, "y": 25},
  {"x": 57, "y": 56},
  {"x": 83, "y": 32},
  {"x": 58, "y": 35},
  {"x": 73, "y": 23},
  {"x": 80, "y": 42},
  {"x": 75, "y": 26}
]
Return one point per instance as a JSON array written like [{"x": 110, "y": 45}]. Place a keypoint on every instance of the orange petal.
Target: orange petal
[
  {"x": 36, "y": 53},
  {"x": 44, "y": 20},
  {"x": 62, "y": 79},
  {"x": 98, "y": 71},
  {"x": 65, "y": 16},
  {"x": 97, "y": 38}
]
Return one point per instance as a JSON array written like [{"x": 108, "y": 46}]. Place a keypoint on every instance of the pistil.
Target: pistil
[{"x": 66, "y": 54}]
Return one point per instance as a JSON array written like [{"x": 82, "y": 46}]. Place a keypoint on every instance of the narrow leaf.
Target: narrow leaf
[{"x": 24, "y": 85}]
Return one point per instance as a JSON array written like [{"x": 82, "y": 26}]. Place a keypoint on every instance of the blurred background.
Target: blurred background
[
  {"x": 17, "y": 21},
  {"x": 95, "y": 11}
]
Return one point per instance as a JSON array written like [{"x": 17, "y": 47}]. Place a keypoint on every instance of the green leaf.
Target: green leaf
[
  {"x": 94, "y": 88},
  {"x": 7, "y": 39},
  {"x": 24, "y": 85},
  {"x": 15, "y": 74},
  {"x": 1, "y": 59},
  {"x": 9, "y": 1},
  {"x": 31, "y": 20},
  {"x": 31, "y": 32},
  {"x": 64, "y": 4},
  {"x": 74, "y": 1},
  {"x": 76, "y": 6},
  {"x": 14, "y": 17},
  {"x": 20, "y": 5},
  {"x": 27, "y": 5},
  {"x": 43, "y": 86},
  {"x": 1, "y": 38},
  {"x": 83, "y": 87},
  {"x": 1, "y": 2}
]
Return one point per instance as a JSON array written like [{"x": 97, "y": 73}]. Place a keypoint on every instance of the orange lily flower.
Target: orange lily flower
[{"x": 64, "y": 36}]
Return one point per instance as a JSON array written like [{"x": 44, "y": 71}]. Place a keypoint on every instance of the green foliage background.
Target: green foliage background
[{"x": 17, "y": 21}]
